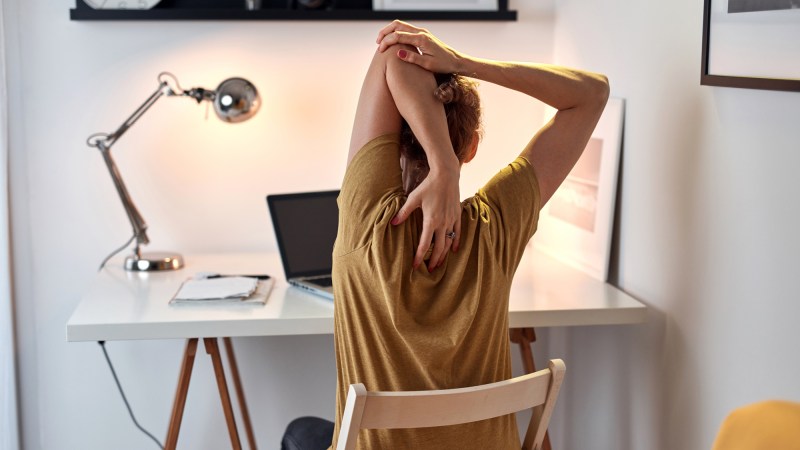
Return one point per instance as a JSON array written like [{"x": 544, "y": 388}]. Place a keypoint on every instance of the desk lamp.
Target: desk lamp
[{"x": 234, "y": 100}]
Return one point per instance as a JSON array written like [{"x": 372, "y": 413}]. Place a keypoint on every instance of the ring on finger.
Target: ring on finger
[{"x": 450, "y": 235}]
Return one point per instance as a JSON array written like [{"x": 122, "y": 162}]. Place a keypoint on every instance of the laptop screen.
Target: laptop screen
[{"x": 305, "y": 227}]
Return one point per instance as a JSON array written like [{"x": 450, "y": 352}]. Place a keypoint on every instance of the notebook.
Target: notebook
[{"x": 305, "y": 227}]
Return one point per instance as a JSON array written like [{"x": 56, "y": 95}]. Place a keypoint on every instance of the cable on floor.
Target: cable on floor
[{"x": 127, "y": 405}]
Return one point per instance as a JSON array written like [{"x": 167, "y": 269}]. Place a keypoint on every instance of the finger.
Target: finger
[
  {"x": 448, "y": 245},
  {"x": 397, "y": 25},
  {"x": 445, "y": 252},
  {"x": 394, "y": 26},
  {"x": 411, "y": 204},
  {"x": 401, "y": 37},
  {"x": 457, "y": 239},
  {"x": 384, "y": 31},
  {"x": 440, "y": 247},
  {"x": 389, "y": 40},
  {"x": 388, "y": 29},
  {"x": 424, "y": 244}
]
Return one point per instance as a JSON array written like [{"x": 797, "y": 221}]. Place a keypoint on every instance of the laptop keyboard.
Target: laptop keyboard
[{"x": 322, "y": 281}]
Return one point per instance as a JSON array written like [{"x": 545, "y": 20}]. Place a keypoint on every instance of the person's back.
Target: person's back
[{"x": 398, "y": 328}]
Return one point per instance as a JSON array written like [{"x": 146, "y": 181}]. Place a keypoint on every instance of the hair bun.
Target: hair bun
[
  {"x": 462, "y": 109},
  {"x": 449, "y": 91}
]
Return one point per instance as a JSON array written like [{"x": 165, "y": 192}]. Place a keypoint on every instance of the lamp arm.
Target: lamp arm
[
  {"x": 104, "y": 142},
  {"x": 137, "y": 222},
  {"x": 163, "y": 89}
]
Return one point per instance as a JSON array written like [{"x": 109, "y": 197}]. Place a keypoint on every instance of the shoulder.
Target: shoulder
[
  {"x": 515, "y": 185},
  {"x": 380, "y": 149},
  {"x": 374, "y": 170},
  {"x": 371, "y": 190}
]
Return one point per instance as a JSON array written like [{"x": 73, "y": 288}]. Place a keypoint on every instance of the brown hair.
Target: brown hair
[{"x": 463, "y": 110}]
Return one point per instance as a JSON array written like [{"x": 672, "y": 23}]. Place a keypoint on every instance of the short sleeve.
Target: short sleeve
[
  {"x": 513, "y": 198},
  {"x": 371, "y": 189}
]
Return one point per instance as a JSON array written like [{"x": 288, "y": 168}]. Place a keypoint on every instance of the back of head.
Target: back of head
[{"x": 463, "y": 110}]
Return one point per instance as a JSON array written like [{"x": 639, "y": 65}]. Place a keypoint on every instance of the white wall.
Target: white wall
[
  {"x": 709, "y": 220},
  {"x": 199, "y": 184},
  {"x": 707, "y": 216}
]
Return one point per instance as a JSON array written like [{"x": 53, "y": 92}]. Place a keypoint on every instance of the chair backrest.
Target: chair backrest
[{"x": 420, "y": 409}]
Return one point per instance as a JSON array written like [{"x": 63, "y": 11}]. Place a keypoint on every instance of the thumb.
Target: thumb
[{"x": 411, "y": 204}]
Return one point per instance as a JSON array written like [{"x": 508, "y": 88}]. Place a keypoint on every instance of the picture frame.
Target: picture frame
[
  {"x": 435, "y": 5},
  {"x": 576, "y": 224},
  {"x": 751, "y": 44}
]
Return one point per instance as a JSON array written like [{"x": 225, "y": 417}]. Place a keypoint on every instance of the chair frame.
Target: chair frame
[{"x": 421, "y": 409}]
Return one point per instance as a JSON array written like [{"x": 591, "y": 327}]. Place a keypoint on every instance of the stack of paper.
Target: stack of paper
[{"x": 223, "y": 289}]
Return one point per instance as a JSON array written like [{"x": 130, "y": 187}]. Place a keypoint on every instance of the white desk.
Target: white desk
[{"x": 122, "y": 305}]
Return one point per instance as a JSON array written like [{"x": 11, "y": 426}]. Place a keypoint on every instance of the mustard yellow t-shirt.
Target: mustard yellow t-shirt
[{"x": 399, "y": 329}]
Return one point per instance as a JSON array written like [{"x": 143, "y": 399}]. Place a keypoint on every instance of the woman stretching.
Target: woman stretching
[{"x": 422, "y": 279}]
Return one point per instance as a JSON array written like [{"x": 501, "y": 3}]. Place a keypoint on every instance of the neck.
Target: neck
[{"x": 413, "y": 173}]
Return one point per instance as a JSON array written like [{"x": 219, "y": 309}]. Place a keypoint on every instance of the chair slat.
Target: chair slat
[
  {"x": 422, "y": 409},
  {"x": 419, "y": 409}
]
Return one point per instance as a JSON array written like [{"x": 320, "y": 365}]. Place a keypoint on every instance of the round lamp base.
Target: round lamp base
[{"x": 149, "y": 262}]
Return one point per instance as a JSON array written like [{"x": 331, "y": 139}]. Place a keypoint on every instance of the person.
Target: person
[{"x": 422, "y": 279}]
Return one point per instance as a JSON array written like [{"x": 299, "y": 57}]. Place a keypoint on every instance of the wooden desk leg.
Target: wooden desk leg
[
  {"x": 237, "y": 385},
  {"x": 213, "y": 350},
  {"x": 525, "y": 337},
  {"x": 180, "y": 394}
]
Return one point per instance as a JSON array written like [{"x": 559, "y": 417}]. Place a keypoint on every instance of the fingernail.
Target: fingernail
[
  {"x": 395, "y": 220},
  {"x": 402, "y": 54}
]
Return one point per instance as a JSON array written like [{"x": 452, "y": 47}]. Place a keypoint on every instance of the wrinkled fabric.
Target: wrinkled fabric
[{"x": 400, "y": 329}]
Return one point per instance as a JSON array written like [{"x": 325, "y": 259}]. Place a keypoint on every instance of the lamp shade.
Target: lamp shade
[{"x": 236, "y": 100}]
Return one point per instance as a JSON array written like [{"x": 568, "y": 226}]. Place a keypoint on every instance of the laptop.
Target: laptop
[{"x": 305, "y": 228}]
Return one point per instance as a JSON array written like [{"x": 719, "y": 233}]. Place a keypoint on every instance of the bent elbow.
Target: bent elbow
[
  {"x": 600, "y": 88},
  {"x": 606, "y": 89}
]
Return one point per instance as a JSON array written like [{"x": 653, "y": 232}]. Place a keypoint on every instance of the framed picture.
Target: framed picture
[
  {"x": 434, "y": 5},
  {"x": 751, "y": 44},
  {"x": 575, "y": 226}
]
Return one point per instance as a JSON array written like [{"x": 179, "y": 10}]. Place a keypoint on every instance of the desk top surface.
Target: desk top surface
[{"x": 122, "y": 305}]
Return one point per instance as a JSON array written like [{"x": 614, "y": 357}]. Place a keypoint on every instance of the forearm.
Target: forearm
[
  {"x": 560, "y": 87},
  {"x": 579, "y": 96},
  {"x": 412, "y": 88}
]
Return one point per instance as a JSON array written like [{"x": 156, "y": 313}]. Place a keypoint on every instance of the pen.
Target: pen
[{"x": 260, "y": 277}]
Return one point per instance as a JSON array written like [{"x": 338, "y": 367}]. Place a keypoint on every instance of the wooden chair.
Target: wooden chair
[{"x": 420, "y": 409}]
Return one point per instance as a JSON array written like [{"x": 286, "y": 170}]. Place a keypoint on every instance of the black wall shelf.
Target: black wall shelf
[{"x": 346, "y": 10}]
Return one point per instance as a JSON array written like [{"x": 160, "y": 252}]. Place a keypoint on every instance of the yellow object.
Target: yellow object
[{"x": 768, "y": 425}]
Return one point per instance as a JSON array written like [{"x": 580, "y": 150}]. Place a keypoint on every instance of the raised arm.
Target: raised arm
[
  {"x": 579, "y": 96},
  {"x": 394, "y": 90}
]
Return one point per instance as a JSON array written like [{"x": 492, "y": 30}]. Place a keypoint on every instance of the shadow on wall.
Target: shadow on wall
[{"x": 608, "y": 403}]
